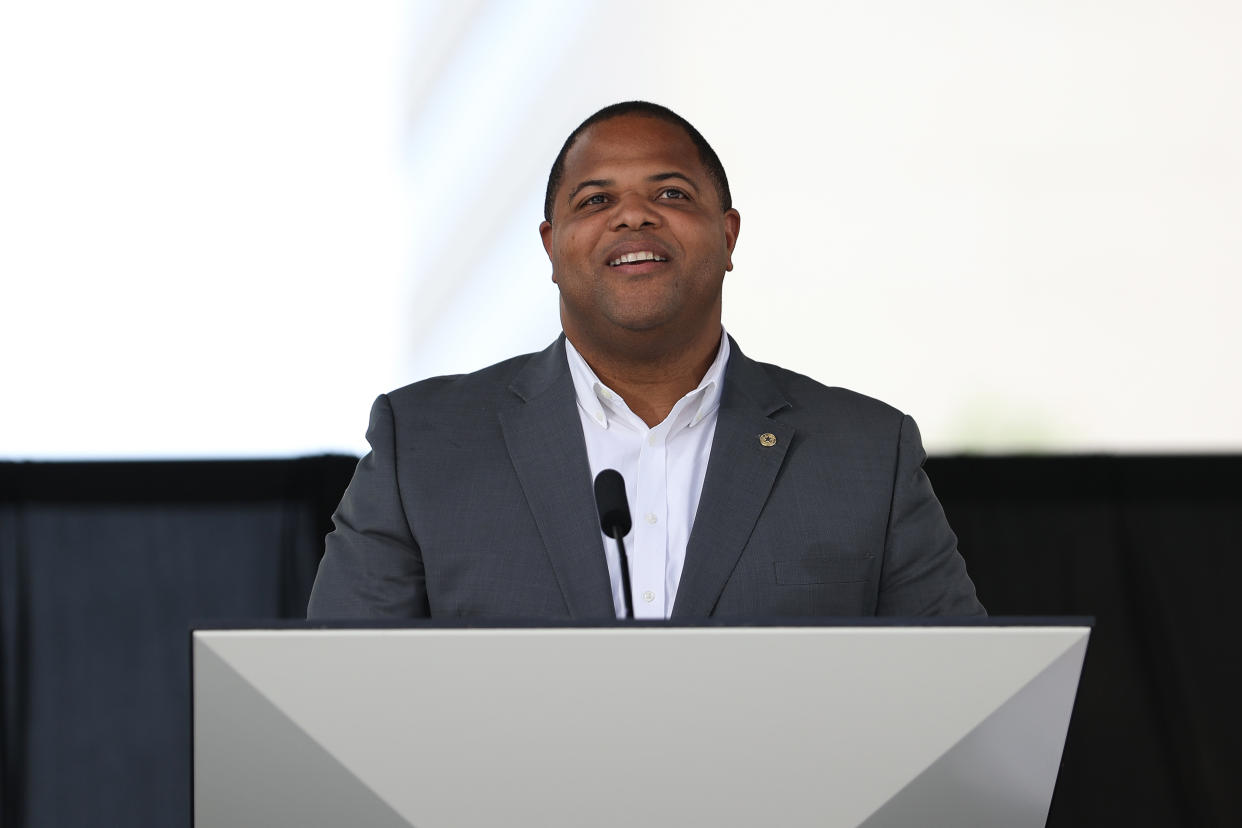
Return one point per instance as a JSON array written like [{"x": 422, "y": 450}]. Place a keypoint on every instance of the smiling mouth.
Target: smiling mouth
[{"x": 641, "y": 256}]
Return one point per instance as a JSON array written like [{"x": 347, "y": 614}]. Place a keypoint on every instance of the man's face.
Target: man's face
[{"x": 638, "y": 241}]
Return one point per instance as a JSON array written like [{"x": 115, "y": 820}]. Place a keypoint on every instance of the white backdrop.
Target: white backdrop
[{"x": 224, "y": 228}]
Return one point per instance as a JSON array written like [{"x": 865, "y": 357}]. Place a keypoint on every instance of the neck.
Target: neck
[{"x": 651, "y": 383}]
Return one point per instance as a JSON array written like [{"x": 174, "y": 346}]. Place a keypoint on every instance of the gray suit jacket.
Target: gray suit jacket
[{"x": 476, "y": 500}]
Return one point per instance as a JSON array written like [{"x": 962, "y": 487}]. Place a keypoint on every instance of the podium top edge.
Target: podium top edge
[{"x": 1080, "y": 621}]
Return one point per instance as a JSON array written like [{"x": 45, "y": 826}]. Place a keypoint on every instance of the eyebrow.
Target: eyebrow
[
  {"x": 608, "y": 182},
  {"x": 590, "y": 182},
  {"x": 670, "y": 175}
]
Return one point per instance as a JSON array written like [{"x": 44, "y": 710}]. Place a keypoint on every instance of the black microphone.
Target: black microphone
[{"x": 614, "y": 519}]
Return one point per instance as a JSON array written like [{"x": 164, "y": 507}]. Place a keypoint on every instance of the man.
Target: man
[{"x": 756, "y": 492}]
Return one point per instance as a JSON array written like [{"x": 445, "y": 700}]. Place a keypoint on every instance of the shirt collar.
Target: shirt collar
[{"x": 603, "y": 405}]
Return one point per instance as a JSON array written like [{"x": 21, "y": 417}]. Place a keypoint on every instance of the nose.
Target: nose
[{"x": 633, "y": 211}]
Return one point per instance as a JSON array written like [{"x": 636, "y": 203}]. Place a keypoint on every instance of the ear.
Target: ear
[
  {"x": 733, "y": 224},
  {"x": 545, "y": 233}
]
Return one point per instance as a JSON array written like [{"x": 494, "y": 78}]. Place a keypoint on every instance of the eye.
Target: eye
[
  {"x": 672, "y": 192},
  {"x": 591, "y": 201}
]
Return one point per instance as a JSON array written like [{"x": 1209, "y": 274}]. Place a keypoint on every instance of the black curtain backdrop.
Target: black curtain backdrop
[{"x": 104, "y": 566}]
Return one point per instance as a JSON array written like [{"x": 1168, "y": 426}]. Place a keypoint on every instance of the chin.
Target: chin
[{"x": 644, "y": 322}]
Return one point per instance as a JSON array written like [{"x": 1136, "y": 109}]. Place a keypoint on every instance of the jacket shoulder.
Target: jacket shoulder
[
  {"x": 457, "y": 399},
  {"x": 812, "y": 402}
]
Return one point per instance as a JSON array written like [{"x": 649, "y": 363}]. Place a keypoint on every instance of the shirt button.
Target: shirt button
[
  {"x": 651, "y": 518},
  {"x": 648, "y": 596},
  {"x": 651, "y": 439},
  {"x": 600, "y": 416}
]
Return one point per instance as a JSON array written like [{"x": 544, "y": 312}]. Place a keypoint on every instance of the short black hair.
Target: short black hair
[{"x": 707, "y": 155}]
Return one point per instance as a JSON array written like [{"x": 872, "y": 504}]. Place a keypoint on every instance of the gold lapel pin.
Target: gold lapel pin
[{"x": 767, "y": 439}]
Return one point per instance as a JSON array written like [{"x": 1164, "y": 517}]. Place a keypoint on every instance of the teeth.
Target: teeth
[{"x": 642, "y": 256}]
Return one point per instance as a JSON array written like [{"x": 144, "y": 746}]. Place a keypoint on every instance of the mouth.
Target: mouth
[{"x": 637, "y": 257}]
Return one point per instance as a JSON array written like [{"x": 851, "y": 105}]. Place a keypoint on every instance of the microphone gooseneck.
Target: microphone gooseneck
[{"x": 615, "y": 521}]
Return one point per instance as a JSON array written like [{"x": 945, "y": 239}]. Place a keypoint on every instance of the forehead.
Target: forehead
[{"x": 632, "y": 143}]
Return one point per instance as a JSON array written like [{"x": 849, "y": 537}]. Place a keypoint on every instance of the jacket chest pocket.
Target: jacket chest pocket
[
  {"x": 834, "y": 569},
  {"x": 829, "y": 587}
]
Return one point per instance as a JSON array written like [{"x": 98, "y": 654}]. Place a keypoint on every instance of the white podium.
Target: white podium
[{"x": 629, "y": 725}]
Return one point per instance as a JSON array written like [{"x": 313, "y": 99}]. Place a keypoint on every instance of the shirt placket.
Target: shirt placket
[{"x": 650, "y": 521}]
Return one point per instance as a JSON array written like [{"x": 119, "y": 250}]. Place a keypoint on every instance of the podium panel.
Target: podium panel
[{"x": 632, "y": 725}]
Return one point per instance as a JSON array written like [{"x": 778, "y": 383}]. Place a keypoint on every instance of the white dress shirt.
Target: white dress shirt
[{"x": 663, "y": 469}]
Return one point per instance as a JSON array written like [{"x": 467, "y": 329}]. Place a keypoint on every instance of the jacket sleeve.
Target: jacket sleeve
[
  {"x": 372, "y": 566},
  {"x": 923, "y": 573}
]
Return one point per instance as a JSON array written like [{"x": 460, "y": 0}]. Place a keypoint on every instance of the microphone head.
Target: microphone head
[{"x": 614, "y": 508}]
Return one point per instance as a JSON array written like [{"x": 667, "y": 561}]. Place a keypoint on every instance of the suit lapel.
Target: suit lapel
[
  {"x": 740, "y": 473},
  {"x": 544, "y": 438}
]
